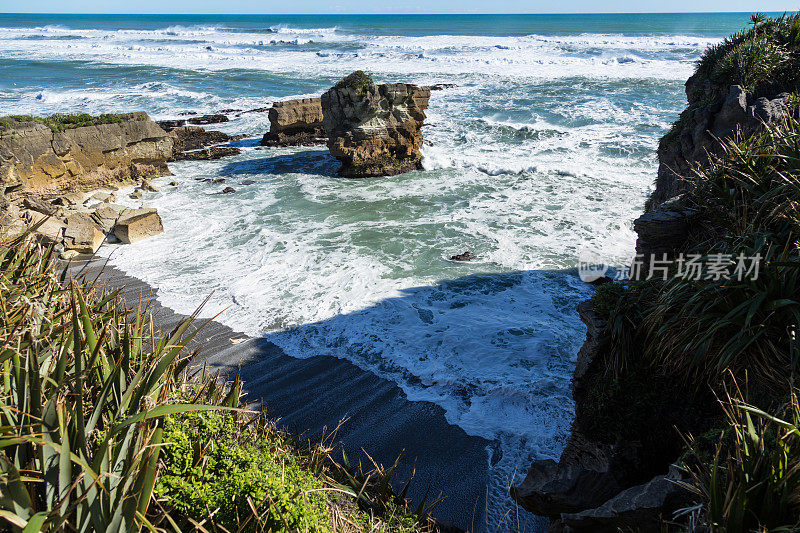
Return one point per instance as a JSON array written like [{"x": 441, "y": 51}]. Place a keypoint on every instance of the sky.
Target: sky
[{"x": 391, "y": 6}]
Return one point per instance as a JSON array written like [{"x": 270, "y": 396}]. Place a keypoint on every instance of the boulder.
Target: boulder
[
  {"x": 169, "y": 125},
  {"x": 102, "y": 197},
  {"x": 137, "y": 224},
  {"x": 209, "y": 154},
  {"x": 82, "y": 234},
  {"x": 40, "y": 206},
  {"x": 116, "y": 149},
  {"x": 639, "y": 508},
  {"x": 294, "y": 123},
  {"x": 374, "y": 130},
  {"x": 147, "y": 186},
  {"x": 106, "y": 216},
  {"x": 190, "y": 142},
  {"x": 49, "y": 231},
  {"x": 136, "y": 194},
  {"x": 466, "y": 256},
  {"x": 208, "y": 119}
]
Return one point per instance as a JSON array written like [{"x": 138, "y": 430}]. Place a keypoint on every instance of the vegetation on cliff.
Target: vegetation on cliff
[
  {"x": 101, "y": 427},
  {"x": 679, "y": 343},
  {"x": 60, "y": 122}
]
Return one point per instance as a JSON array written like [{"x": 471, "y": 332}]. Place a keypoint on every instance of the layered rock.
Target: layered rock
[
  {"x": 81, "y": 158},
  {"x": 137, "y": 224},
  {"x": 295, "y": 123},
  {"x": 711, "y": 119},
  {"x": 195, "y": 143},
  {"x": 374, "y": 130}
]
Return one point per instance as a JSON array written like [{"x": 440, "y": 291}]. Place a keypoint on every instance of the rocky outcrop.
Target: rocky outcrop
[
  {"x": 137, "y": 224},
  {"x": 641, "y": 508},
  {"x": 584, "y": 477},
  {"x": 195, "y": 143},
  {"x": 596, "y": 485},
  {"x": 708, "y": 120},
  {"x": 45, "y": 160},
  {"x": 295, "y": 123},
  {"x": 374, "y": 130}
]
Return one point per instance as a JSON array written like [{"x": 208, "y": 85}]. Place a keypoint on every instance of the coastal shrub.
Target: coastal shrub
[
  {"x": 242, "y": 465},
  {"x": 697, "y": 329},
  {"x": 358, "y": 80},
  {"x": 605, "y": 298},
  {"x": 103, "y": 429},
  {"x": 751, "y": 482},
  {"x": 766, "y": 53},
  {"x": 81, "y": 399},
  {"x": 60, "y": 122}
]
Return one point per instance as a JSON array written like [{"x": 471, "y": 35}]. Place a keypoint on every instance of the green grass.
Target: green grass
[
  {"x": 62, "y": 122},
  {"x": 103, "y": 428},
  {"x": 358, "y": 80}
]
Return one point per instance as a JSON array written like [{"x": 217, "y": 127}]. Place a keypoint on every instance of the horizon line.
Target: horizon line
[{"x": 407, "y": 14}]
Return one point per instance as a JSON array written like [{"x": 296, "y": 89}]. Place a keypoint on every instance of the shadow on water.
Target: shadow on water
[
  {"x": 302, "y": 162},
  {"x": 454, "y": 323}
]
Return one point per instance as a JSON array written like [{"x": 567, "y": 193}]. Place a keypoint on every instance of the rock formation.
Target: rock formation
[
  {"x": 195, "y": 143},
  {"x": 374, "y": 130},
  {"x": 710, "y": 119},
  {"x": 136, "y": 224},
  {"x": 295, "y": 123},
  {"x": 51, "y": 160}
]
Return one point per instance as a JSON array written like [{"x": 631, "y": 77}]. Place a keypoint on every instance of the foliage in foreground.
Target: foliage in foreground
[
  {"x": 751, "y": 482},
  {"x": 96, "y": 411},
  {"x": 697, "y": 330},
  {"x": 764, "y": 57}
]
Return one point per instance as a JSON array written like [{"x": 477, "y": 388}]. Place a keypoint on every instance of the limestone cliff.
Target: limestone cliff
[
  {"x": 615, "y": 472},
  {"x": 295, "y": 122},
  {"x": 712, "y": 117},
  {"x": 52, "y": 159},
  {"x": 374, "y": 130}
]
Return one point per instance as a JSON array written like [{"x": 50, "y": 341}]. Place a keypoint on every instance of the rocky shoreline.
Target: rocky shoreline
[
  {"x": 615, "y": 483},
  {"x": 311, "y": 396}
]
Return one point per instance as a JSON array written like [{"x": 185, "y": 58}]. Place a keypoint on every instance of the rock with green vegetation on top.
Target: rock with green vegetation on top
[
  {"x": 65, "y": 153},
  {"x": 374, "y": 130}
]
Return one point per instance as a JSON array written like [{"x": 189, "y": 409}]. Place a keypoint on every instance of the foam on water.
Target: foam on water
[{"x": 545, "y": 148}]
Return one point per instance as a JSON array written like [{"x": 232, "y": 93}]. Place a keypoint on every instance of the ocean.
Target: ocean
[{"x": 544, "y": 149}]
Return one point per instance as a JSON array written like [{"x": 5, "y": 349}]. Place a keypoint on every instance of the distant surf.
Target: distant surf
[{"x": 544, "y": 148}]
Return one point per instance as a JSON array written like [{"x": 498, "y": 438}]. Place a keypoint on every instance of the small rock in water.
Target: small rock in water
[
  {"x": 247, "y": 182},
  {"x": 228, "y": 190},
  {"x": 173, "y": 183},
  {"x": 219, "y": 180},
  {"x": 466, "y": 256},
  {"x": 66, "y": 255},
  {"x": 147, "y": 186},
  {"x": 136, "y": 194}
]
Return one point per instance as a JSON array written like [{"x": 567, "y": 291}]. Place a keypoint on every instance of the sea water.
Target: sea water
[{"x": 546, "y": 147}]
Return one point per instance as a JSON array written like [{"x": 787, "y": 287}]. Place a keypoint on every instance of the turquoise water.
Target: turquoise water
[{"x": 543, "y": 150}]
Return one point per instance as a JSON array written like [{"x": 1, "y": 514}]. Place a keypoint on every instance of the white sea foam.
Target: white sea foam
[{"x": 545, "y": 148}]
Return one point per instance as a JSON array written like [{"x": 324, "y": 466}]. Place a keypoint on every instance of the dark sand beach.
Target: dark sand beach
[{"x": 310, "y": 396}]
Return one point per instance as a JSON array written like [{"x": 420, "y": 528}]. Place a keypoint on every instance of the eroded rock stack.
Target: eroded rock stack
[
  {"x": 51, "y": 157},
  {"x": 295, "y": 123},
  {"x": 374, "y": 130}
]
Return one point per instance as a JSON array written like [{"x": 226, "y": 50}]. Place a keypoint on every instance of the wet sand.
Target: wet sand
[{"x": 310, "y": 395}]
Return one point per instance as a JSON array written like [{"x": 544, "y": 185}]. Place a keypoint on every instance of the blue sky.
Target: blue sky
[{"x": 391, "y": 6}]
